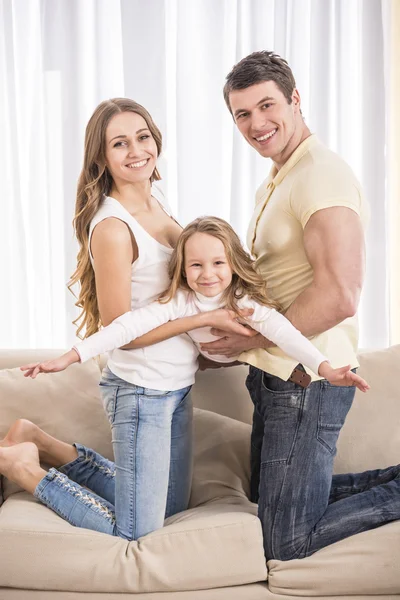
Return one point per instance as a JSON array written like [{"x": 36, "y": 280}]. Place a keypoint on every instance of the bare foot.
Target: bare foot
[
  {"x": 51, "y": 451},
  {"x": 21, "y": 430},
  {"x": 20, "y": 464}
]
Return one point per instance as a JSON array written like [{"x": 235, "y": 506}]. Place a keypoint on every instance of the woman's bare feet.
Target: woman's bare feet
[
  {"x": 51, "y": 451},
  {"x": 21, "y": 430},
  {"x": 20, "y": 464}
]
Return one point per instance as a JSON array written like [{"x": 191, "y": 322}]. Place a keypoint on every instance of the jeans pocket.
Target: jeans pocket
[
  {"x": 109, "y": 399},
  {"x": 334, "y": 404},
  {"x": 281, "y": 424},
  {"x": 279, "y": 387}
]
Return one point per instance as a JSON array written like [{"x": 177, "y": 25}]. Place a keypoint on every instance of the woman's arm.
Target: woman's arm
[
  {"x": 169, "y": 330},
  {"x": 213, "y": 318},
  {"x": 113, "y": 250}
]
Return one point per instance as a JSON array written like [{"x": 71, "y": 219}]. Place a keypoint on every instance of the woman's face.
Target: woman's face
[{"x": 131, "y": 151}]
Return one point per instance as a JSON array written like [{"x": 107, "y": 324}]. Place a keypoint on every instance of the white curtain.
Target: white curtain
[{"x": 60, "y": 58}]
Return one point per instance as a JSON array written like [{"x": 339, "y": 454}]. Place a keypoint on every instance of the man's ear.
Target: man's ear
[{"x": 296, "y": 100}]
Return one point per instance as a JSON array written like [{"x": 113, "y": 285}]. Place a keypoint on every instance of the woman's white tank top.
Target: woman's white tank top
[{"x": 168, "y": 365}]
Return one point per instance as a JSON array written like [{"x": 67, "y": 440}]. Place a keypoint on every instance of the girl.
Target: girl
[{"x": 209, "y": 269}]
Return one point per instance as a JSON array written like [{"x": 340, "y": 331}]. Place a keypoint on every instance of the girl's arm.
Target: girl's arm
[
  {"x": 115, "y": 335},
  {"x": 279, "y": 330},
  {"x": 166, "y": 331},
  {"x": 131, "y": 325}
]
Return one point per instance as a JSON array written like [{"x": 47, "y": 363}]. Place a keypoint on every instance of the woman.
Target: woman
[{"x": 126, "y": 238}]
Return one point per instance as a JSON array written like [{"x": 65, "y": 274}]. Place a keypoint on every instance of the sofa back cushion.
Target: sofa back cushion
[
  {"x": 67, "y": 405},
  {"x": 370, "y": 437}
]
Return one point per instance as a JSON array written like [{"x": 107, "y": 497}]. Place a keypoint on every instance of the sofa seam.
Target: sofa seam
[{"x": 52, "y": 533}]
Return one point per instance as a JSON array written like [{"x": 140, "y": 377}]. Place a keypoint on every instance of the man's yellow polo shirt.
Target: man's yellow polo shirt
[{"x": 312, "y": 179}]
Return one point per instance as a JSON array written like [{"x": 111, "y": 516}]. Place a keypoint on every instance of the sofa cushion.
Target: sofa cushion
[
  {"x": 215, "y": 544},
  {"x": 366, "y": 564},
  {"x": 221, "y": 459},
  {"x": 370, "y": 437},
  {"x": 66, "y": 405}
]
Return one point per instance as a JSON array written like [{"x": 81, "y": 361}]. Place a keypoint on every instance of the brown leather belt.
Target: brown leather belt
[{"x": 300, "y": 377}]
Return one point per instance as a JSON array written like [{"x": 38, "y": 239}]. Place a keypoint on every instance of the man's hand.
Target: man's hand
[{"x": 232, "y": 344}]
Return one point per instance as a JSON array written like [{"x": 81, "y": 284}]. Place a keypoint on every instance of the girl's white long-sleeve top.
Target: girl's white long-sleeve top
[{"x": 136, "y": 323}]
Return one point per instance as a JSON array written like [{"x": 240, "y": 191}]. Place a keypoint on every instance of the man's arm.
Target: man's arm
[{"x": 334, "y": 245}]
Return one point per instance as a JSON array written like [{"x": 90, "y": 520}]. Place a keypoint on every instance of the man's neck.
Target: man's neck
[{"x": 300, "y": 134}]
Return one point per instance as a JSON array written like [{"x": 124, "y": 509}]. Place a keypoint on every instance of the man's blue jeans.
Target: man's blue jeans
[
  {"x": 151, "y": 477},
  {"x": 302, "y": 506}
]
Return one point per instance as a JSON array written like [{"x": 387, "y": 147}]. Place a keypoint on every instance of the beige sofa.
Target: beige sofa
[{"x": 214, "y": 550}]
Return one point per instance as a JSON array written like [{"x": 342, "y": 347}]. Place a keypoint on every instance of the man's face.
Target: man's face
[{"x": 265, "y": 118}]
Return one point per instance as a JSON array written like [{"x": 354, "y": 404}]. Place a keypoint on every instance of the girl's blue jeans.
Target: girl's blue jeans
[{"x": 151, "y": 476}]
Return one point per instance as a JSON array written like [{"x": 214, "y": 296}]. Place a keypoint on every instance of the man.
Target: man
[{"x": 306, "y": 234}]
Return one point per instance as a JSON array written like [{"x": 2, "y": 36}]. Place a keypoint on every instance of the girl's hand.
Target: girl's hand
[
  {"x": 227, "y": 320},
  {"x": 51, "y": 366},
  {"x": 342, "y": 376}
]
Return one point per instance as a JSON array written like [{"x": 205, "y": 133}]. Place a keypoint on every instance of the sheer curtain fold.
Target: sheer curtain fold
[
  {"x": 392, "y": 12},
  {"x": 59, "y": 59}
]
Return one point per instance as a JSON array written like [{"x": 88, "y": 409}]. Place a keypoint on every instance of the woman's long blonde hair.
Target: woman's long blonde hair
[
  {"x": 94, "y": 182},
  {"x": 246, "y": 281}
]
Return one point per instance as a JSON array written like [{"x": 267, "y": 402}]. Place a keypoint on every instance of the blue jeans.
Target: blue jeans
[
  {"x": 151, "y": 477},
  {"x": 302, "y": 506}
]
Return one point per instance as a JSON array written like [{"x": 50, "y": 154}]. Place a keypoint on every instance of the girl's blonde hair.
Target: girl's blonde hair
[
  {"x": 94, "y": 182},
  {"x": 246, "y": 281}
]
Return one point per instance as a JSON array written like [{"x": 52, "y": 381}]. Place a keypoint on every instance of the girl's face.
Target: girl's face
[
  {"x": 206, "y": 266},
  {"x": 131, "y": 151}
]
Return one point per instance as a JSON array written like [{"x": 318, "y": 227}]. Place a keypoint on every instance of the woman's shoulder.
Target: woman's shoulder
[
  {"x": 111, "y": 219},
  {"x": 109, "y": 207},
  {"x": 111, "y": 239}
]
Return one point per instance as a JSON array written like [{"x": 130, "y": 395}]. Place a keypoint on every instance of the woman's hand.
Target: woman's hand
[
  {"x": 343, "y": 376},
  {"x": 51, "y": 366},
  {"x": 227, "y": 320}
]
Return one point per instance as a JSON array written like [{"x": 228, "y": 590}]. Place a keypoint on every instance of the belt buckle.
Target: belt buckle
[{"x": 300, "y": 377}]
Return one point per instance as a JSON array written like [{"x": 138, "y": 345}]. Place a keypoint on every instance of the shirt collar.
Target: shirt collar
[
  {"x": 276, "y": 176},
  {"x": 207, "y": 300}
]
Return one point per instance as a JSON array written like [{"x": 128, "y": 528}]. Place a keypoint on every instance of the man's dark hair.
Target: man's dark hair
[{"x": 259, "y": 67}]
